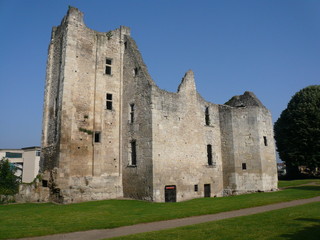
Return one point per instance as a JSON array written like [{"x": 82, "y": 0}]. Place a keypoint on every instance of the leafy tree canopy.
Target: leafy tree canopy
[
  {"x": 297, "y": 131},
  {"x": 9, "y": 182}
]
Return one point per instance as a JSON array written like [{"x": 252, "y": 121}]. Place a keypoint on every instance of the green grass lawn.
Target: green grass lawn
[
  {"x": 26, "y": 220},
  {"x": 294, "y": 223},
  {"x": 293, "y": 183}
]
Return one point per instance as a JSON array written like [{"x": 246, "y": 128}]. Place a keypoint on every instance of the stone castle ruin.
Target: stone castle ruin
[{"x": 110, "y": 132}]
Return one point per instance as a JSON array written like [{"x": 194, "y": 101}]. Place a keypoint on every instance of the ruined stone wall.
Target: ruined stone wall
[
  {"x": 267, "y": 151},
  {"x": 100, "y": 102},
  {"x": 248, "y": 163},
  {"x": 53, "y": 99},
  {"x": 137, "y": 125},
  {"x": 180, "y": 139},
  {"x": 88, "y": 169}
]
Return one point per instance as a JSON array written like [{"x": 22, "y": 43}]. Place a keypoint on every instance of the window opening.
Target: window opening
[
  {"x": 209, "y": 154},
  {"x": 13, "y": 155},
  {"x": 244, "y": 166},
  {"x": 38, "y": 153},
  {"x": 109, "y": 101},
  {"x": 132, "y": 113},
  {"x": 108, "y": 66},
  {"x": 196, "y": 188},
  {"x": 207, "y": 116},
  {"x": 44, "y": 183},
  {"x": 135, "y": 71},
  {"x": 133, "y": 153},
  {"x": 97, "y": 137},
  {"x": 265, "y": 140},
  {"x": 125, "y": 45}
]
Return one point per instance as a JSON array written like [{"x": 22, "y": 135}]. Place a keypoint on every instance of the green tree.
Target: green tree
[
  {"x": 297, "y": 131},
  {"x": 9, "y": 182}
]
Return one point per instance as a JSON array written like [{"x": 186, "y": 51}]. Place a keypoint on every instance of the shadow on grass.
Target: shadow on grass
[
  {"x": 308, "y": 188},
  {"x": 307, "y": 233}
]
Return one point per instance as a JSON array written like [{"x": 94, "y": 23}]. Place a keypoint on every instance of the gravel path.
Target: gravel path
[{"x": 155, "y": 226}]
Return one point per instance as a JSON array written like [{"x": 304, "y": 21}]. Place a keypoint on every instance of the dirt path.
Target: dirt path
[{"x": 155, "y": 226}]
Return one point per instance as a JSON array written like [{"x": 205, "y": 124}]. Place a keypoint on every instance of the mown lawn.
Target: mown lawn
[
  {"x": 26, "y": 220},
  {"x": 293, "y": 183},
  {"x": 294, "y": 223}
]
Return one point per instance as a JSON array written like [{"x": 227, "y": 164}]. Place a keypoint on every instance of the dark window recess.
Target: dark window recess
[
  {"x": 265, "y": 140},
  {"x": 207, "y": 190},
  {"x": 207, "y": 116},
  {"x": 97, "y": 137},
  {"x": 108, "y": 70},
  {"x": 109, "y": 101},
  {"x": 196, "y": 188},
  {"x": 133, "y": 153},
  {"x": 38, "y": 153},
  {"x": 209, "y": 154},
  {"x": 44, "y": 183},
  {"x": 56, "y": 107},
  {"x": 125, "y": 45},
  {"x": 108, "y": 66},
  {"x": 131, "y": 113},
  {"x": 13, "y": 155},
  {"x": 170, "y": 193},
  {"x": 136, "y": 71},
  {"x": 244, "y": 166}
]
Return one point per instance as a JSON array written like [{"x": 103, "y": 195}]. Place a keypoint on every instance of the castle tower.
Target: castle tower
[
  {"x": 248, "y": 148},
  {"x": 81, "y": 139}
]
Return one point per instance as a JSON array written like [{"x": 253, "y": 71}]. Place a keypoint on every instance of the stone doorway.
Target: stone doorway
[
  {"x": 207, "y": 190},
  {"x": 170, "y": 192}
]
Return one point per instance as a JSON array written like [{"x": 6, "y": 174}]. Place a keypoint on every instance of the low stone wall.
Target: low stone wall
[{"x": 32, "y": 193}]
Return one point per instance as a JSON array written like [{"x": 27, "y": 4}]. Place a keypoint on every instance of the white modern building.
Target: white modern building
[{"x": 25, "y": 159}]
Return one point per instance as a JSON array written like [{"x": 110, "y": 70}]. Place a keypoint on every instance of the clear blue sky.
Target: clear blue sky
[{"x": 270, "y": 47}]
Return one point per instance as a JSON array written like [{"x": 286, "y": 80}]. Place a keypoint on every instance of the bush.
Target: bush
[{"x": 9, "y": 182}]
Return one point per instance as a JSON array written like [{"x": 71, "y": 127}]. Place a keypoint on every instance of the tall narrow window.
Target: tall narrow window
[
  {"x": 265, "y": 140},
  {"x": 109, "y": 101},
  {"x": 131, "y": 113},
  {"x": 108, "y": 66},
  {"x": 207, "y": 116},
  {"x": 135, "y": 71},
  {"x": 209, "y": 154},
  {"x": 97, "y": 137},
  {"x": 244, "y": 166},
  {"x": 133, "y": 153}
]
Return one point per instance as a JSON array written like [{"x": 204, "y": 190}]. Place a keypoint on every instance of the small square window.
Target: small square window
[
  {"x": 108, "y": 61},
  {"x": 109, "y": 96},
  {"x": 44, "y": 183},
  {"x": 38, "y": 153}
]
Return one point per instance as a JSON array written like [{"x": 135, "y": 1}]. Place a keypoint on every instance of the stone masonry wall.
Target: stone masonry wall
[
  {"x": 91, "y": 168},
  {"x": 101, "y": 106},
  {"x": 180, "y": 139},
  {"x": 248, "y": 163},
  {"x": 137, "y": 125}
]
